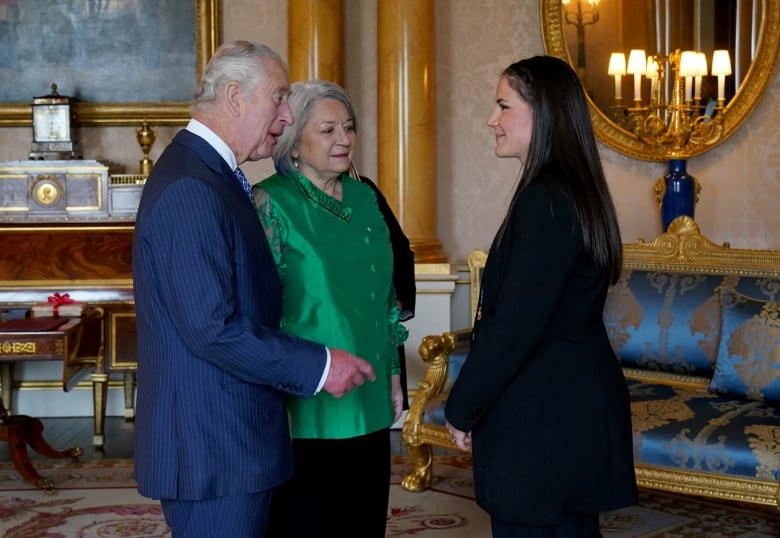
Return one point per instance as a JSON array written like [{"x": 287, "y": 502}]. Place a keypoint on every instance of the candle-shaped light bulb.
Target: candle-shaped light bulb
[
  {"x": 688, "y": 70},
  {"x": 637, "y": 66},
  {"x": 652, "y": 74},
  {"x": 701, "y": 70},
  {"x": 721, "y": 66},
  {"x": 617, "y": 68}
]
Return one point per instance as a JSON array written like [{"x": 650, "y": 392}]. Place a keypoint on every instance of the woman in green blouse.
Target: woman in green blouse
[{"x": 332, "y": 250}]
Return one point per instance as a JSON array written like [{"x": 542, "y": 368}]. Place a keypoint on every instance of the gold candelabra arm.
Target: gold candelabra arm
[
  {"x": 649, "y": 127},
  {"x": 706, "y": 130}
]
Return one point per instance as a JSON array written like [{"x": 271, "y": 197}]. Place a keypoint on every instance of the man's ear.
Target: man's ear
[{"x": 234, "y": 98}]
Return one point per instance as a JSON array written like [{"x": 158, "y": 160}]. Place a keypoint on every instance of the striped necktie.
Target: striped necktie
[{"x": 244, "y": 183}]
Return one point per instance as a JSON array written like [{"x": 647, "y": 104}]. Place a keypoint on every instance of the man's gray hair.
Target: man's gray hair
[
  {"x": 303, "y": 97},
  {"x": 238, "y": 61}
]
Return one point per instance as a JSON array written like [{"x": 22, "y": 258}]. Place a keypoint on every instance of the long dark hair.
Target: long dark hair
[{"x": 563, "y": 151}]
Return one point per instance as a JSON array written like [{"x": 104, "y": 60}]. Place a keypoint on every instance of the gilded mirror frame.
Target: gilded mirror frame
[
  {"x": 207, "y": 39},
  {"x": 738, "y": 109}
]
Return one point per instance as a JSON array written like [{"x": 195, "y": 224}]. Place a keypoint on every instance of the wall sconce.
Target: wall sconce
[{"x": 580, "y": 19}]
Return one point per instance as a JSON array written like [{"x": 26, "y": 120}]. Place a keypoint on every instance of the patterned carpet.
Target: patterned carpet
[{"x": 98, "y": 499}]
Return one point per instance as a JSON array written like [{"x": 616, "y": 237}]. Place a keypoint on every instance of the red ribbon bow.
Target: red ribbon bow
[{"x": 58, "y": 299}]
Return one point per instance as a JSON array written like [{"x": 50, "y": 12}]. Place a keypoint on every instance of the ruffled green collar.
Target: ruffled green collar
[{"x": 319, "y": 197}]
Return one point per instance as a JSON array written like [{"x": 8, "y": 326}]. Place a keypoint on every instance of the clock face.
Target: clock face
[{"x": 51, "y": 123}]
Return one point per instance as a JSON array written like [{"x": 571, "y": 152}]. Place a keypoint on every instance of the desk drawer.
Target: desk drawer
[{"x": 38, "y": 345}]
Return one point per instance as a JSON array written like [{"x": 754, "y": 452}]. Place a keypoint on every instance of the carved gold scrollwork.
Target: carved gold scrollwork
[{"x": 17, "y": 348}]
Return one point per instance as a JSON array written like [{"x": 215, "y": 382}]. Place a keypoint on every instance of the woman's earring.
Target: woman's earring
[{"x": 296, "y": 163}]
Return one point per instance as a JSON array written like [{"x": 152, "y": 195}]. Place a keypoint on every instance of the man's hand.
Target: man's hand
[
  {"x": 462, "y": 439},
  {"x": 346, "y": 372}
]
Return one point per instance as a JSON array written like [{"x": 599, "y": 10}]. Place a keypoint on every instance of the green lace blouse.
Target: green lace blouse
[{"x": 336, "y": 266}]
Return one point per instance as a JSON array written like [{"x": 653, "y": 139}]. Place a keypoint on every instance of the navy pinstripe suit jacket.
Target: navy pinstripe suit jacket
[{"x": 213, "y": 369}]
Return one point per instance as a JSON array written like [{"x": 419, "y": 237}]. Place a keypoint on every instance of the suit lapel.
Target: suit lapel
[{"x": 221, "y": 176}]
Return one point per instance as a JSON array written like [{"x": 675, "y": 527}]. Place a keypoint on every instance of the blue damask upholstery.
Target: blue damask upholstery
[
  {"x": 748, "y": 362},
  {"x": 665, "y": 321},
  {"x": 671, "y": 321},
  {"x": 698, "y": 431}
]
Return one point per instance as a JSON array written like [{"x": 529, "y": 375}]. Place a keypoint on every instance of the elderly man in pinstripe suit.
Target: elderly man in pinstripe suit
[{"x": 214, "y": 371}]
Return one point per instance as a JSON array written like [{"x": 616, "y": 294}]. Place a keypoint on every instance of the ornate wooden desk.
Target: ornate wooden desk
[
  {"x": 67, "y": 226},
  {"x": 71, "y": 343},
  {"x": 91, "y": 262}
]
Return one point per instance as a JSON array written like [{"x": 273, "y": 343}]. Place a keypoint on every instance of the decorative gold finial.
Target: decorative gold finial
[{"x": 146, "y": 136}]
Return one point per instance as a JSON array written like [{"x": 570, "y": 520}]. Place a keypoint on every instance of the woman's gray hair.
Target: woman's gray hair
[
  {"x": 239, "y": 61},
  {"x": 303, "y": 97}
]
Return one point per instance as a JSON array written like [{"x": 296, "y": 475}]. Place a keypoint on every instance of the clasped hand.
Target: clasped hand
[
  {"x": 346, "y": 372},
  {"x": 461, "y": 439}
]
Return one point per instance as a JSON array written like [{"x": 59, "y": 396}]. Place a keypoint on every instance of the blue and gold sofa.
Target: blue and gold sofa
[{"x": 695, "y": 326}]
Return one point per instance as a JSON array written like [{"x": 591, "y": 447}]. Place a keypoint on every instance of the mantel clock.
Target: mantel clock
[{"x": 52, "y": 127}]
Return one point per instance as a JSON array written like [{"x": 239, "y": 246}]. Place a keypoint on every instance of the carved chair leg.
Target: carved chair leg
[{"x": 420, "y": 477}]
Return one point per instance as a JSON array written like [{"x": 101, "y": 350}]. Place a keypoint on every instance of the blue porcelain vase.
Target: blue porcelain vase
[{"x": 679, "y": 193}]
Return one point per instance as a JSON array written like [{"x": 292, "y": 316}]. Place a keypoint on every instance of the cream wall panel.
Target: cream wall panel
[
  {"x": 256, "y": 20},
  {"x": 475, "y": 41}
]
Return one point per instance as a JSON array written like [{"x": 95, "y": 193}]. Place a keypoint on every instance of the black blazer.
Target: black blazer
[
  {"x": 541, "y": 389},
  {"x": 403, "y": 256}
]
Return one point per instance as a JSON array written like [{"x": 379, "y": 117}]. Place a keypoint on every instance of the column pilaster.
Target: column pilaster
[
  {"x": 316, "y": 47},
  {"x": 406, "y": 133}
]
